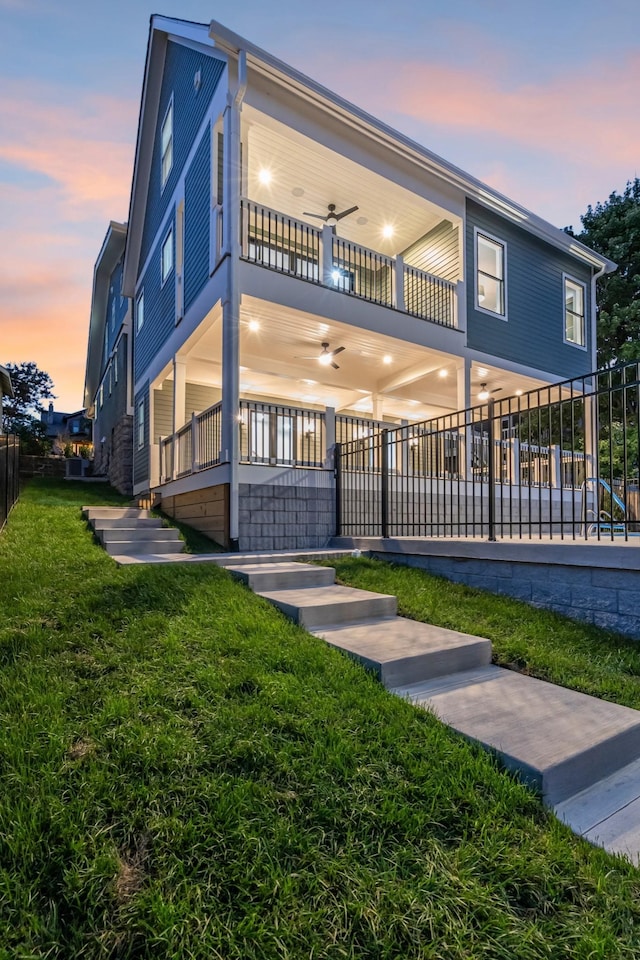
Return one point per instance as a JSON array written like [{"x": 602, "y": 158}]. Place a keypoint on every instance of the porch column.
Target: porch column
[
  {"x": 376, "y": 406},
  {"x": 329, "y": 434},
  {"x": 232, "y": 185},
  {"x": 463, "y": 402},
  {"x": 178, "y": 407},
  {"x": 326, "y": 255},
  {"x": 591, "y": 467}
]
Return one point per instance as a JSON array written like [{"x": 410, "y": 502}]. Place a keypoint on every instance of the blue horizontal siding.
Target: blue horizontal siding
[
  {"x": 121, "y": 303},
  {"x": 141, "y": 456},
  {"x": 534, "y": 331},
  {"x": 197, "y": 207},
  {"x": 189, "y": 110},
  {"x": 159, "y": 306}
]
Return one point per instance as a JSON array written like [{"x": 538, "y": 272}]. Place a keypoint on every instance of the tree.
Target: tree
[
  {"x": 20, "y": 413},
  {"x": 613, "y": 229}
]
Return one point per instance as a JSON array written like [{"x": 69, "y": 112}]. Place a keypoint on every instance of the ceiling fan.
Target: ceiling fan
[
  {"x": 485, "y": 394},
  {"x": 326, "y": 357},
  {"x": 332, "y": 217}
]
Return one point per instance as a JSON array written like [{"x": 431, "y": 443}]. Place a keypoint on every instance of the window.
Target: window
[
  {"x": 113, "y": 315},
  {"x": 141, "y": 423},
  {"x": 490, "y": 275},
  {"x": 115, "y": 366},
  {"x": 167, "y": 256},
  {"x": 166, "y": 143},
  {"x": 140, "y": 312},
  {"x": 574, "y": 300}
]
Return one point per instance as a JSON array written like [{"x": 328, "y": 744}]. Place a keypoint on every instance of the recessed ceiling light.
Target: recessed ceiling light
[
  {"x": 362, "y": 221},
  {"x": 298, "y": 192},
  {"x": 443, "y": 373},
  {"x": 387, "y": 358},
  {"x": 254, "y": 325},
  {"x": 482, "y": 372},
  {"x": 387, "y": 231},
  {"x": 518, "y": 393},
  {"x": 264, "y": 176}
]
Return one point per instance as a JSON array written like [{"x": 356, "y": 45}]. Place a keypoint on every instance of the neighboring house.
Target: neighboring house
[
  {"x": 108, "y": 375},
  {"x": 6, "y": 390},
  {"x": 300, "y": 274},
  {"x": 67, "y": 429}
]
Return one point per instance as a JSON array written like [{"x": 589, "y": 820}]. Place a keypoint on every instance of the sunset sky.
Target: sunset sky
[{"x": 539, "y": 100}]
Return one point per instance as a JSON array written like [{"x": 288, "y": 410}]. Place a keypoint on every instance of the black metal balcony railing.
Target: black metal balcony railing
[
  {"x": 290, "y": 246},
  {"x": 273, "y": 434},
  {"x": 429, "y": 297},
  {"x": 558, "y": 462},
  {"x": 362, "y": 272},
  {"x": 279, "y": 242}
]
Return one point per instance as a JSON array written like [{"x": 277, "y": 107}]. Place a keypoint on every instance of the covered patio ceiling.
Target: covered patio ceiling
[
  {"x": 304, "y": 175},
  {"x": 378, "y": 376}
]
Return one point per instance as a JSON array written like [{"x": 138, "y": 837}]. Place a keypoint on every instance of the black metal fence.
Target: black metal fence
[
  {"x": 9, "y": 475},
  {"x": 561, "y": 461}
]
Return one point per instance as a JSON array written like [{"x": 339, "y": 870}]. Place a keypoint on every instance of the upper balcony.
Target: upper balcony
[{"x": 299, "y": 249}]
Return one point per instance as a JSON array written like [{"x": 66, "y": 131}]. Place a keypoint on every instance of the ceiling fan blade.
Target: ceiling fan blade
[
  {"x": 335, "y": 365},
  {"x": 318, "y": 216},
  {"x": 496, "y": 390},
  {"x": 345, "y": 213},
  {"x": 337, "y": 350}
]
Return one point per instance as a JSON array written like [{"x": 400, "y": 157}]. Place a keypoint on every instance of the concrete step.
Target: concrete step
[
  {"x": 114, "y": 513},
  {"x": 129, "y": 548},
  {"x": 608, "y": 812},
  {"x": 402, "y": 651},
  {"x": 322, "y": 606},
  {"x": 557, "y": 740},
  {"x": 281, "y": 576},
  {"x": 128, "y": 523},
  {"x": 111, "y": 535}
]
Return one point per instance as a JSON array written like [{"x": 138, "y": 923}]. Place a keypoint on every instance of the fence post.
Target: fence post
[
  {"x": 384, "y": 477},
  {"x": 337, "y": 472},
  {"x": 492, "y": 473},
  {"x": 399, "y": 277}
]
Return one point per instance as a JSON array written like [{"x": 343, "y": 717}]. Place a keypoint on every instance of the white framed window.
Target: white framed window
[
  {"x": 491, "y": 274},
  {"x": 166, "y": 255},
  {"x": 115, "y": 366},
  {"x": 140, "y": 424},
  {"x": 113, "y": 315},
  {"x": 166, "y": 144},
  {"x": 575, "y": 331},
  {"x": 101, "y": 397},
  {"x": 140, "y": 312}
]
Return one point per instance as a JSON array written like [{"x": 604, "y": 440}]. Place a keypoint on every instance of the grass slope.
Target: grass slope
[
  {"x": 186, "y": 774},
  {"x": 537, "y": 642}
]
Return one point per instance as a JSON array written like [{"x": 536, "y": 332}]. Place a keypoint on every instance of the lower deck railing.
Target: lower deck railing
[{"x": 559, "y": 462}]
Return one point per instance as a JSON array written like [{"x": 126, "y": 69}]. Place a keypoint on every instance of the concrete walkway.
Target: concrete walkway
[{"x": 582, "y": 754}]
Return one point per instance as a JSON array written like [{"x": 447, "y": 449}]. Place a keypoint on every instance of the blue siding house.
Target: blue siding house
[
  {"x": 301, "y": 275},
  {"x": 108, "y": 376}
]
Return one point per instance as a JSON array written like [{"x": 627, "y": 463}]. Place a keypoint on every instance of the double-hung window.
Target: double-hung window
[
  {"x": 490, "y": 275},
  {"x": 166, "y": 144},
  {"x": 140, "y": 312},
  {"x": 140, "y": 424},
  {"x": 167, "y": 256},
  {"x": 574, "y": 315}
]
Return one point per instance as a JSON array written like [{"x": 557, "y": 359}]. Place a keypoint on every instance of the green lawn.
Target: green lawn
[
  {"x": 537, "y": 642},
  {"x": 186, "y": 774}
]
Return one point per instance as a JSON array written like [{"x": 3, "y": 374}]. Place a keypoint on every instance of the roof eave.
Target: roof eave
[{"x": 279, "y": 71}]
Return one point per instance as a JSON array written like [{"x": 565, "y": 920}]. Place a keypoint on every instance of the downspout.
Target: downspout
[
  {"x": 231, "y": 300},
  {"x": 592, "y": 427}
]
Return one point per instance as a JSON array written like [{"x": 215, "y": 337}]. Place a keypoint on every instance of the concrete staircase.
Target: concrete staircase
[
  {"x": 582, "y": 754},
  {"x": 126, "y": 532}
]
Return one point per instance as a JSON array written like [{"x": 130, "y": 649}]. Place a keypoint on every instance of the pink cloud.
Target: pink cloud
[{"x": 572, "y": 115}]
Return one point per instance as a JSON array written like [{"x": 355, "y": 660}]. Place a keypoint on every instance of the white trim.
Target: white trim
[
  {"x": 578, "y": 283},
  {"x": 140, "y": 406},
  {"x": 479, "y": 232}
]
